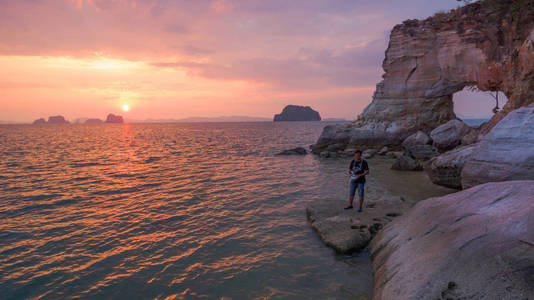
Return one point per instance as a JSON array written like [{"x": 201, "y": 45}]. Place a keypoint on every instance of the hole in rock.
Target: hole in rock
[{"x": 475, "y": 107}]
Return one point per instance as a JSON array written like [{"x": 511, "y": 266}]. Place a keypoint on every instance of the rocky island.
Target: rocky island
[
  {"x": 51, "y": 120},
  {"x": 475, "y": 243},
  {"x": 111, "y": 118},
  {"x": 297, "y": 113}
]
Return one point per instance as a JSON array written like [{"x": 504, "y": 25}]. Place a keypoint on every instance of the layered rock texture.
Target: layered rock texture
[
  {"x": 489, "y": 46},
  {"x": 297, "y": 113},
  {"x": 474, "y": 244}
]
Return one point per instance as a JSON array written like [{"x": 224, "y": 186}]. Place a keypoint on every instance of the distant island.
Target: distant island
[
  {"x": 297, "y": 113},
  {"x": 111, "y": 118},
  {"x": 114, "y": 119},
  {"x": 51, "y": 120}
]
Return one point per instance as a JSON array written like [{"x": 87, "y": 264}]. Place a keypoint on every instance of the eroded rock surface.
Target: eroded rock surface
[
  {"x": 506, "y": 153},
  {"x": 474, "y": 244},
  {"x": 428, "y": 61}
]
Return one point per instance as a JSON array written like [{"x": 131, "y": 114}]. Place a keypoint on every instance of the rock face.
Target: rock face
[
  {"x": 294, "y": 151},
  {"x": 297, "y": 113},
  {"x": 506, "y": 153},
  {"x": 446, "y": 169},
  {"x": 474, "y": 244},
  {"x": 57, "y": 120},
  {"x": 111, "y": 118},
  {"x": 449, "y": 135},
  {"x": 485, "y": 45},
  {"x": 39, "y": 121}
]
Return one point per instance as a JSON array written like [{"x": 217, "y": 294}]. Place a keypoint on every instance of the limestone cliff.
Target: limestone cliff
[{"x": 482, "y": 44}]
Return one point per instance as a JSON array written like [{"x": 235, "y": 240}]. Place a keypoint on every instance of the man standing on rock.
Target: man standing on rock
[{"x": 358, "y": 169}]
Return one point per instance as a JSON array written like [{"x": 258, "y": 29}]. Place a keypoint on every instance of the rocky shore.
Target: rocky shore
[{"x": 475, "y": 243}]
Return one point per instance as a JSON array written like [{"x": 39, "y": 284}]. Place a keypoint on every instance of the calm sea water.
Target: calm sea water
[{"x": 168, "y": 210}]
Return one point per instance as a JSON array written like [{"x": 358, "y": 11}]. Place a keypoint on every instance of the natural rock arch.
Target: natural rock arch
[{"x": 427, "y": 61}]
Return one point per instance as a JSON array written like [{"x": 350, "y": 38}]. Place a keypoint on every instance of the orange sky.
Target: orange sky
[{"x": 183, "y": 58}]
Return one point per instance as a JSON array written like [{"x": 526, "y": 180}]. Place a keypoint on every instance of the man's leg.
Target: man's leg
[
  {"x": 361, "y": 194},
  {"x": 352, "y": 191}
]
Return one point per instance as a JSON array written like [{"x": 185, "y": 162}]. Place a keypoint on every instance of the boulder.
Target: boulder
[
  {"x": 406, "y": 163},
  {"x": 449, "y": 135},
  {"x": 505, "y": 153},
  {"x": 111, "y": 118},
  {"x": 473, "y": 244},
  {"x": 39, "y": 121},
  {"x": 418, "y": 138},
  {"x": 383, "y": 151},
  {"x": 294, "y": 151},
  {"x": 421, "y": 152},
  {"x": 57, "y": 120},
  {"x": 446, "y": 169},
  {"x": 297, "y": 113}
]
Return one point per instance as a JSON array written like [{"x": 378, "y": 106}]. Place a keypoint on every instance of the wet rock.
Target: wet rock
[
  {"x": 449, "y": 135},
  {"x": 297, "y": 113},
  {"x": 345, "y": 231},
  {"x": 294, "y": 151},
  {"x": 39, "y": 121},
  {"x": 446, "y": 169},
  {"x": 406, "y": 163},
  {"x": 505, "y": 153},
  {"x": 473, "y": 244},
  {"x": 111, "y": 118}
]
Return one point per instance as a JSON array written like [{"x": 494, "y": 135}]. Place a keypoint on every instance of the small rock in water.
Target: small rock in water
[{"x": 294, "y": 151}]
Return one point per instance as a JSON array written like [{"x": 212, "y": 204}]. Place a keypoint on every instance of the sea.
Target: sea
[{"x": 174, "y": 211}]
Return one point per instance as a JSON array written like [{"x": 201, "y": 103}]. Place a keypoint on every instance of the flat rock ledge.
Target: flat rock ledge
[{"x": 333, "y": 223}]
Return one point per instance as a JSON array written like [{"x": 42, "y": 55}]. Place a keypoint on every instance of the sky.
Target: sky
[{"x": 184, "y": 58}]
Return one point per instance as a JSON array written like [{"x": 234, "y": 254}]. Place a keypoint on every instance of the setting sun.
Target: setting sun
[{"x": 125, "y": 107}]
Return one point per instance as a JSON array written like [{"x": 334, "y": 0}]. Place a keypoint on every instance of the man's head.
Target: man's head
[{"x": 358, "y": 154}]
